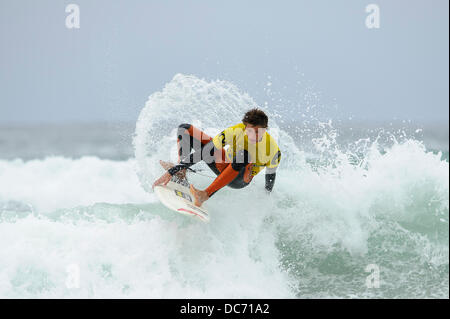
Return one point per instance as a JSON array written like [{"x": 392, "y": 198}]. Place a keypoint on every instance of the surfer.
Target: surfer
[{"x": 235, "y": 155}]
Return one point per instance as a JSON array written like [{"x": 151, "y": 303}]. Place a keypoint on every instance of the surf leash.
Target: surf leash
[{"x": 196, "y": 171}]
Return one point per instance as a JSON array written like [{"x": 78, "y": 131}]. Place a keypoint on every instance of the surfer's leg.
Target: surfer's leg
[
  {"x": 228, "y": 177},
  {"x": 243, "y": 178},
  {"x": 189, "y": 138},
  {"x": 214, "y": 158},
  {"x": 236, "y": 174}
]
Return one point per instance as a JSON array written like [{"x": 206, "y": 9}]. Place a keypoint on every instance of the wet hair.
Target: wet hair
[{"x": 256, "y": 117}]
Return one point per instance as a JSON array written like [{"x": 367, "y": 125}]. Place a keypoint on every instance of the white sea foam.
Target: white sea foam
[{"x": 326, "y": 220}]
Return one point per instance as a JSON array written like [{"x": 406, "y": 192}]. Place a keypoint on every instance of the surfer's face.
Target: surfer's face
[{"x": 254, "y": 133}]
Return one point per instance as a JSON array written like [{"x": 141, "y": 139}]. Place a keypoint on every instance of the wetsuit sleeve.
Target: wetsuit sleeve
[
  {"x": 270, "y": 181},
  {"x": 271, "y": 169},
  {"x": 274, "y": 161}
]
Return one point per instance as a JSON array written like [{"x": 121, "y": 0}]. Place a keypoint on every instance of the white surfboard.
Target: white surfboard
[{"x": 179, "y": 199}]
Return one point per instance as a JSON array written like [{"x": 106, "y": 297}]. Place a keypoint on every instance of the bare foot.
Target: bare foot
[
  {"x": 163, "y": 180},
  {"x": 199, "y": 196},
  {"x": 181, "y": 175},
  {"x": 166, "y": 165}
]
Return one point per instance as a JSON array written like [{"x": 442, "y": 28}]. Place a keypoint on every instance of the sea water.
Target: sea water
[{"x": 357, "y": 211}]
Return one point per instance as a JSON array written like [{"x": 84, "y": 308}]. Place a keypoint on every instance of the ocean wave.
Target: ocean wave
[{"x": 332, "y": 216}]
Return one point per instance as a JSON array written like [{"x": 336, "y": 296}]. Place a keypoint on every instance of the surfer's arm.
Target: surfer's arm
[
  {"x": 271, "y": 171},
  {"x": 270, "y": 180}
]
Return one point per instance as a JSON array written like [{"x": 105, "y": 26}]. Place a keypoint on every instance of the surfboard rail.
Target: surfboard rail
[{"x": 178, "y": 198}]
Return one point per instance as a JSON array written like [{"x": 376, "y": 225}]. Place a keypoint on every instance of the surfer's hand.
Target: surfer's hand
[{"x": 163, "y": 180}]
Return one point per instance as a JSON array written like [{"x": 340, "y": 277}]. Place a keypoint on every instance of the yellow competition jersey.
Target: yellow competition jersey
[{"x": 264, "y": 153}]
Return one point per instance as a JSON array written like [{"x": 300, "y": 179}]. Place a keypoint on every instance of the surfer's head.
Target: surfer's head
[{"x": 255, "y": 122}]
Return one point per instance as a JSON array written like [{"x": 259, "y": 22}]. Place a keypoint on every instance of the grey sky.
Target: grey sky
[{"x": 127, "y": 49}]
